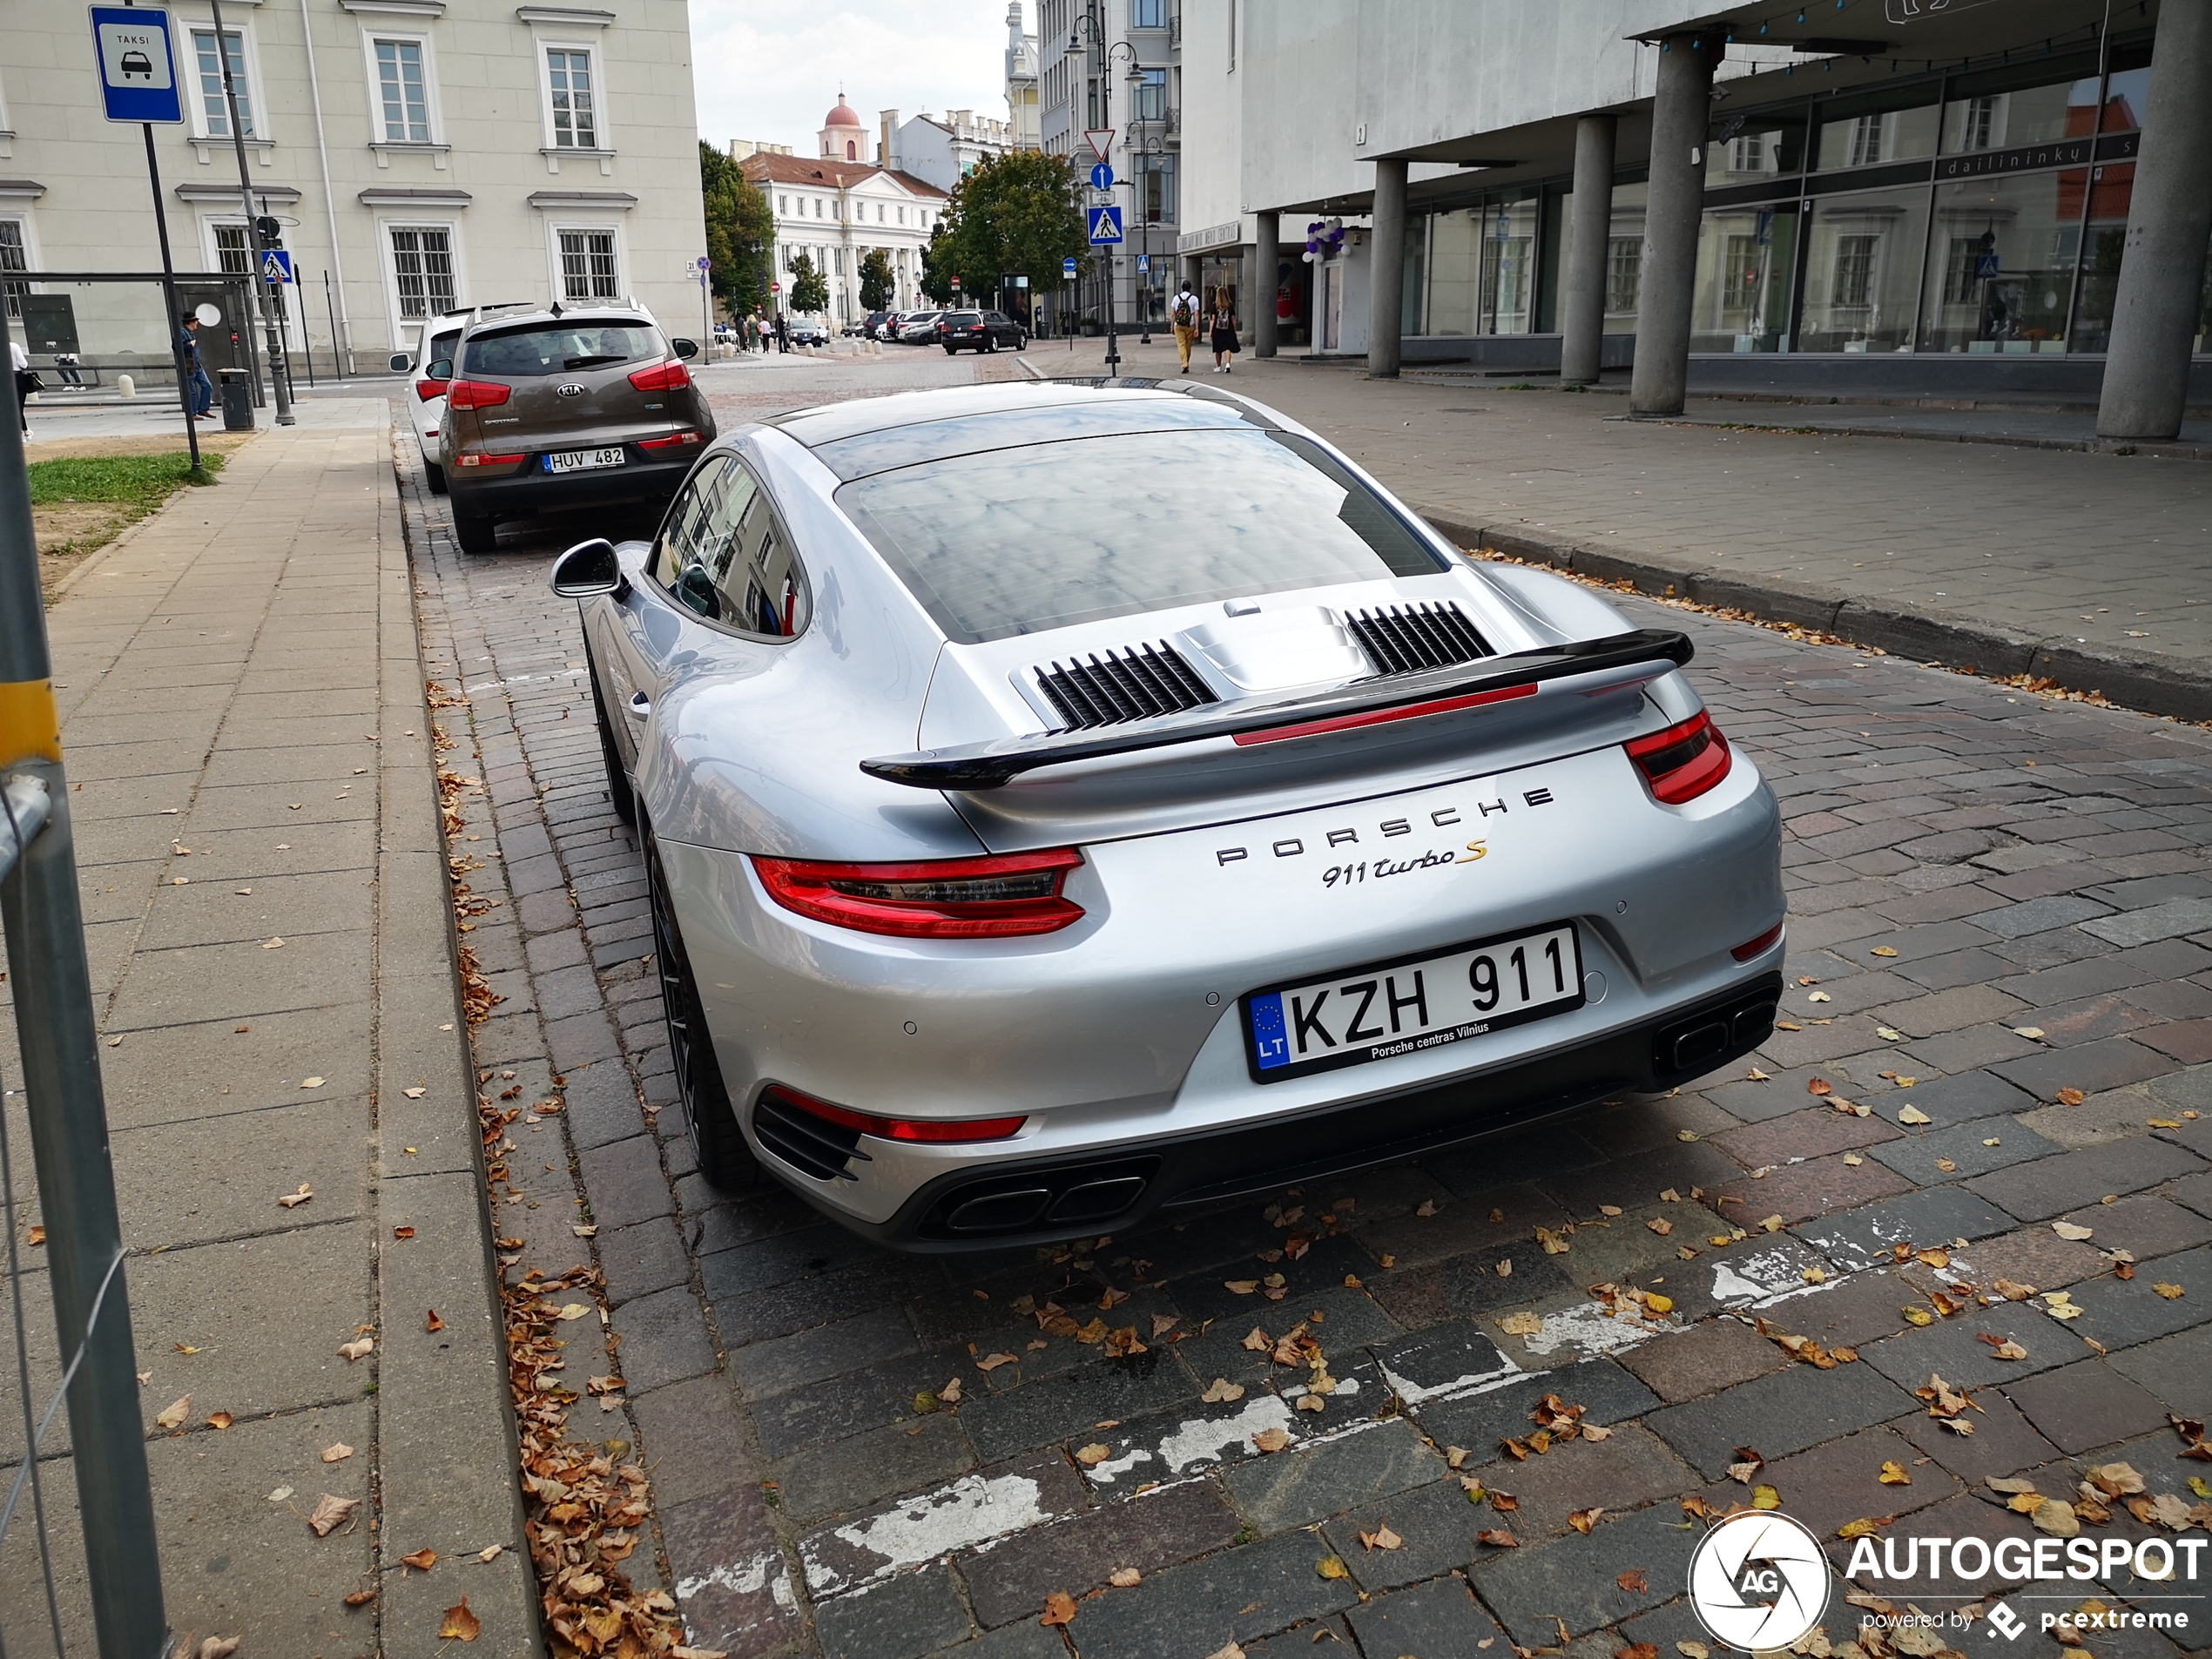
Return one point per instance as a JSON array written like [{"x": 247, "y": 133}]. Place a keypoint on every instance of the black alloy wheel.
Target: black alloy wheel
[
  {"x": 620, "y": 795},
  {"x": 725, "y": 1159}
]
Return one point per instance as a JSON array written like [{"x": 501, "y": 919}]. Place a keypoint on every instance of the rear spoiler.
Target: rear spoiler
[{"x": 1495, "y": 679}]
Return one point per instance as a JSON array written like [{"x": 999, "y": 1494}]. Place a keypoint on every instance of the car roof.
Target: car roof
[
  {"x": 578, "y": 316},
  {"x": 909, "y": 427}
]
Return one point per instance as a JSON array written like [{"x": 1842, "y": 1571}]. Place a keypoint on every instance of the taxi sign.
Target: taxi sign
[
  {"x": 1105, "y": 227},
  {"x": 137, "y": 70}
]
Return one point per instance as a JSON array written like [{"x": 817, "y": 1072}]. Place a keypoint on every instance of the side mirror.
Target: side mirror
[
  {"x": 686, "y": 348},
  {"x": 586, "y": 569},
  {"x": 400, "y": 362}
]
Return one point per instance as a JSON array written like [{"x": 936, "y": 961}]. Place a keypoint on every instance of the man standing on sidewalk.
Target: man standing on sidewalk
[
  {"x": 1183, "y": 314},
  {"x": 203, "y": 389}
]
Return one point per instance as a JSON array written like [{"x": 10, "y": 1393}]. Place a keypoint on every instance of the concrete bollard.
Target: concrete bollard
[{"x": 125, "y": 387}]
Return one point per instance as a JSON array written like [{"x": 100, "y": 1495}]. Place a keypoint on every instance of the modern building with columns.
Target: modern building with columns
[{"x": 2001, "y": 198}]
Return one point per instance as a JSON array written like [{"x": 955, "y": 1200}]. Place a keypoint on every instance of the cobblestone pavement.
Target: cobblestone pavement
[{"x": 1997, "y": 901}]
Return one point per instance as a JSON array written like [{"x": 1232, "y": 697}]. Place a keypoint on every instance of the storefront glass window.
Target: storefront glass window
[
  {"x": 1508, "y": 230},
  {"x": 1745, "y": 258},
  {"x": 1872, "y": 139},
  {"x": 1862, "y": 271},
  {"x": 2124, "y": 97},
  {"x": 1759, "y": 154},
  {"x": 1410, "y": 317},
  {"x": 2101, "y": 247},
  {"x": 2000, "y": 263},
  {"x": 1983, "y": 116},
  {"x": 1454, "y": 270}
]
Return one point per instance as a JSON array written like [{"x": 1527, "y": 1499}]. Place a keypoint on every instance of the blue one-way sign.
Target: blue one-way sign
[
  {"x": 1101, "y": 176},
  {"x": 1068, "y": 265},
  {"x": 1105, "y": 227},
  {"x": 138, "y": 76}
]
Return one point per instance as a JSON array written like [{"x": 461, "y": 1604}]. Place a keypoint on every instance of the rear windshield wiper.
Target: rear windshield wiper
[{"x": 594, "y": 362}]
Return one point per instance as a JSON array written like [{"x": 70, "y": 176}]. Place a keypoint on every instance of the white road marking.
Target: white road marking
[{"x": 953, "y": 1517}]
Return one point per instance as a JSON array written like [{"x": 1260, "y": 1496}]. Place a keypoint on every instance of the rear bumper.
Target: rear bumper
[
  {"x": 1123, "y": 1187},
  {"x": 528, "y": 492}
]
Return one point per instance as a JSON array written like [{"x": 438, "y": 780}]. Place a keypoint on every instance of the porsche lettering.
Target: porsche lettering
[{"x": 1440, "y": 817}]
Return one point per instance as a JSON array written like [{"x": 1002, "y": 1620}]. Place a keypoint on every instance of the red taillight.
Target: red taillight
[
  {"x": 1682, "y": 762},
  {"x": 673, "y": 441},
  {"x": 429, "y": 389},
  {"x": 477, "y": 394},
  {"x": 988, "y": 898},
  {"x": 939, "y": 1130},
  {"x": 670, "y": 376},
  {"x": 1382, "y": 717},
  {"x": 1759, "y": 947},
  {"x": 479, "y": 460}
]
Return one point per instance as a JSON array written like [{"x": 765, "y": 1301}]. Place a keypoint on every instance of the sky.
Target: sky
[{"x": 771, "y": 72}]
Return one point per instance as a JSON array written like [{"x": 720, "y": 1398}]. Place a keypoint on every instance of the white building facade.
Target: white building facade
[
  {"x": 1020, "y": 80},
  {"x": 420, "y": 155},
  {"x": 835, "y": 212},
  {"x": 942, "y": 149}
]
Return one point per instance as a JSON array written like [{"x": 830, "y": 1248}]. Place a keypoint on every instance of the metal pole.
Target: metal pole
[
  {"x": 61, "y": 1070},
  {"x": 264, "y": 290},
  {"x": 174, "y": 318},
  {"x": 331, "y": 306},
  {"x": 1144, "y": 286}
]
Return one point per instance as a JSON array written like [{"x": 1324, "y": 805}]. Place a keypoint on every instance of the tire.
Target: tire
[
  {"x": 475, "y": 532},
  {"x": 620, "y": 795},
  {"x": 436, "y": 476},
  {"x": 725, "y": 1159},
  {"x": 1020, "y": 342},
  {"x": 951, "y": 351},
  {"x": 990, "y": 344}
]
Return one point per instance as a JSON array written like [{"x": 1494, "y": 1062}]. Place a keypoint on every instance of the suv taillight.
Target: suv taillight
[
  {"x": 670, "y": 376},
  {"x": 1682, "y": 762},
  {"x": 986, "y": 898},
  {"x": 477, "y": 394}
]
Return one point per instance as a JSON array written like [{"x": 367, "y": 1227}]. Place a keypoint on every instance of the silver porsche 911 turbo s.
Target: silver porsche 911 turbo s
[{"x": 1066, "y": 804}]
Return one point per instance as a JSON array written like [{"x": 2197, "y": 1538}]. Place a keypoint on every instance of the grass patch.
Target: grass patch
[{"x": 144, "y": 481}]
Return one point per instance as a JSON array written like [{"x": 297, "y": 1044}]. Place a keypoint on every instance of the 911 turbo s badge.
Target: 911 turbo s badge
[{"x": 1291, "y": 847}]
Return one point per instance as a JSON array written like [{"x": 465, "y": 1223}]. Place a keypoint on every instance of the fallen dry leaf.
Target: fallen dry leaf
[
  {"x": 2071, "y": 1097},
  {"x": 1765, "y": 1498},
  {"x": 1632, "y": 1581},
  {"x": 992, "y": 1362},
  {"x": 1893, "y": 1474},
  {"x": 331, "y": 1513},
  {"x": 2029, "y": 1031},
  {"x": 402, "y": 1232},
  {"x": 422, "y": 1561},
  {"x": 415, "y": 1093},
  {"x": 460, "y": 1624},
  {"x": 2056, "y": 1517},
  {"x": 2171, "y": 1293},
  {"x": 1231, "y": 1651},
  {"x": 1820, "y": 1086},
  {"x": 1426, "y": 1207},
  {"x": 293, "y": 1200},
  {"x": 1270, "y": 1439},
  {"x": 1865, "y": 1526},
  {"x": 221, "y": 1419},
  {"x": 1093, "y": 1455},
  {"x": 2073, "y": 1230},
  {"x": 1497, "y": 1538},
  {"x": 949, "y": 1394},
  {"x": 433, "y": 1323},
  {"x": 1882, "y": 950},
  {"x": 172, "y": 1415},
  {"x": 1661, "y": 1225},
  {"x": 1913, "y": 1115},
  {"x": 1059, "y": 1609},
  {"x": 1222, "y": 1392},
  {"x": 1522, "y": 1325},
  {"x": 273, "y": 944},
  {"x": 337, "y": 1453},
  {"x": 1852, "y": 1160},
  {"x": 358, "y": 1349},
  {"x": 1240, "y": 1286},
  {"x": 573, "y": 1310},
  {"x": 1125, "y": 1578},
  {"x": 1582, "y": 1520},
  {"x": 1332, "y": 1567},
  {"x": 1382, "y": 1538}
]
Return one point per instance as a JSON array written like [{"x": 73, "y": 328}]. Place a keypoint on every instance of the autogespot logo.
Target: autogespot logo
[{"x": 1759, "y": 1581}]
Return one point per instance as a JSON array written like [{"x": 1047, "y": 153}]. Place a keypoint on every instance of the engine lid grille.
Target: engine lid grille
[
  {"x": 1134, "y": 683},
  {"x": 1401, "y": 639}
]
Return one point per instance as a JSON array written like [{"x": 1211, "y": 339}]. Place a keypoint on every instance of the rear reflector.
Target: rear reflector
[
  {"x": 1751, "y": 947},
  {"x": 986, "y": 898},
  {"x": 673, "y": 441},
  {"x": 1380, "y": 717},
  {"x": 477, "y": 394},
  {"x": 670, "y": 376},
  {"x": 937, "y": 1131},
  {"x": 1682, "y": 762}
]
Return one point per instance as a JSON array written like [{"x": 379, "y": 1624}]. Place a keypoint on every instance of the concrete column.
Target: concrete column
[
  {"x": 2161, "y": 271},
  {"x": 1666, "y": 278},
  {"x": 1387, "y": 272},
  {"x": 1582, "y": 318},
  {"x": 1267, "y": 254}
]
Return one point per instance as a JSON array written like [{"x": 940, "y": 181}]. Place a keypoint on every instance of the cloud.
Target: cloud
[{"x": 768, "y": 74}]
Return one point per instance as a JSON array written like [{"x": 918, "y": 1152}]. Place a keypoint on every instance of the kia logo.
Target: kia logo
[{"x": 569, "y": 388}]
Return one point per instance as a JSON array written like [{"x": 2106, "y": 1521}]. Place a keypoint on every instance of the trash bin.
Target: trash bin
[{"x": 237, "y": 400}]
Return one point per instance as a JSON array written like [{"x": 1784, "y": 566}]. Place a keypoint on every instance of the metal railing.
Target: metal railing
[{"x": 58, "y": 1040}]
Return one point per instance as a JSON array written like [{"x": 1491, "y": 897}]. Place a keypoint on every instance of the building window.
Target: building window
[
  {"x": 1739, "y": 275},
  {"x": 783, "y": 205},
  {"x": 1624, "y": 257},
  {"x": 1865, "y": 146},
  {"x": 818, "y": 207},
  {"x": 879, "y": 213},
  {"x": 1982, "y": 122},
  {"x": 1159, "y": 190},
  {"x": 233, "y": 252},
  {"x": 568, "y": 79},
  {"x": 1853, "y": 287},
  {"x": 1147, "y": 14},
  {"x": 1149, "y": 98},
  {"x": 588, "y": 266},
  {"x": 402, "y": 91},
  {"x": 422, "y": 269},
  {"x": 215, "y": 115},
  {"x": 1748, "y": 154},
  {"x": 13, "y": 257},
  {"x": 902, "y": 215}
]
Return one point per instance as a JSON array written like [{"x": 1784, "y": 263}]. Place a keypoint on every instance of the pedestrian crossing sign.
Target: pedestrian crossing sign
[
  {"x": 276, "y": 265},
  {"x": 1105, "y": 227}
]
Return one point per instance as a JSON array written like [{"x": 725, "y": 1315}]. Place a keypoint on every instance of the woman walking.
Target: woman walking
[{"x": 1222, "y": 329}]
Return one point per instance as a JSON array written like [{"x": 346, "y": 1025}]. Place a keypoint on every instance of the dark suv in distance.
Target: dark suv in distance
[
  {"x": 980, "y": 331},
  {"x": 567, "y": 408}
]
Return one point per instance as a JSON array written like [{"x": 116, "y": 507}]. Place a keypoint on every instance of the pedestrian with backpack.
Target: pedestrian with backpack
[
  {"x": 1222, "y": 326},
  {"x": 1183, "y": 312}
]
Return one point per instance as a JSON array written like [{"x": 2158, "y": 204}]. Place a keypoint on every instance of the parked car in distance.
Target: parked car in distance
[
  {"x": 805, "y": 331},
  {"x": 563, "y": 409},
  {"x": 871, "y": 325},
  {"x": 919, "y": 327},
  {"x": 980, "y": 331}
]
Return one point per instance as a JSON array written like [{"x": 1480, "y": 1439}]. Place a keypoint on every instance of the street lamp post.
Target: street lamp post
[{"x": 1152, "y": 148}]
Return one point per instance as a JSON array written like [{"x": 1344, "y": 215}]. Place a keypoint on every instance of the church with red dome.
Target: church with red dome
[{"x": 843, "y": 136}]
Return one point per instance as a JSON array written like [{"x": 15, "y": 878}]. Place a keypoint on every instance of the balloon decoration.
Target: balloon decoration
[{"x": 1323, "y": 237}]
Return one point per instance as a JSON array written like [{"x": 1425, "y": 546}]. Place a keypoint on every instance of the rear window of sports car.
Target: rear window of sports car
[{"x": 1021, "y": 540}]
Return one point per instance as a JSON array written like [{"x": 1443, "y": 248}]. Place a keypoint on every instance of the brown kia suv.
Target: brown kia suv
[{"x": 585, "y": 406}]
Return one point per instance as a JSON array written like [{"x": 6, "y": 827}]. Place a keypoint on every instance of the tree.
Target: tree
[
  {"x": 876, "y": 282},
  {"x": 1014, "y": 215},
  {"x": 939, "y": 267},
  {"x": 809, "y": 291},
  {"x": 740, "y": 231}
]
